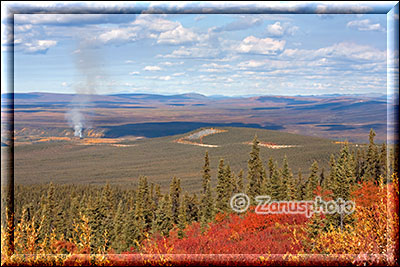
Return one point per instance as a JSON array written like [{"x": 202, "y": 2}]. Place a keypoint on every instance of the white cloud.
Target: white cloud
[
  {"x": 134, "y": 73},
  {"x": 343, "y": 50},
  {"x": 178, "y": 74},
  {"x": 129, "y": 61},
  {"x": 352, "y": 51},
  {"x": 118, "y": 35},
  {"x": 179, "y": 35},
  {"x": 270, "y": 65},
  {"x": 275, "y": 29},
  {"x": 251, "y": 64},
  {"x": 291, "y": 52},
  {"x": 155, "y": 23},
  {"x": 193, "y": 52},
  {"x": 216, "y": 66},
  {"x": 213, "y": 70},
  {"x": 38, "y": 46},
  {"x": 364, "y": 25},
  {"x": 168, "y": 63},
  {"x": 266, "y": 46},
  {"x": 149, "y": 26},
  {"x": 164, "y": 78},
  {"x": 23, "y": 28},
  {"x": 152, "y": 68}
]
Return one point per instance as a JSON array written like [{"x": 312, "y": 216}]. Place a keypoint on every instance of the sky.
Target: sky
[{"x": 210, "y": 54}]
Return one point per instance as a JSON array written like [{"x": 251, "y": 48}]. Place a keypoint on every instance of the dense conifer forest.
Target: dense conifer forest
[{"x": 79, "y": 219}]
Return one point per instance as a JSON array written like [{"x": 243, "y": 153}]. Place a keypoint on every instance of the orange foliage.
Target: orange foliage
[
  {"x": 233, "y": 234},
  {"x": 100, "y": 140},
  {"x": 375, "y": 230},
  {"x": 54, "y": 138},
  {"x": 249, "y": 238}
]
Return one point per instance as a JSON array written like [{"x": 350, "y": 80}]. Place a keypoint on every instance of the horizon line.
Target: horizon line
[{"x": 200, "y": 94}]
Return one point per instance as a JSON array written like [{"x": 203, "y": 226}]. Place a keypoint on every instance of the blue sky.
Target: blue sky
[{"x": 210, "y": 54}]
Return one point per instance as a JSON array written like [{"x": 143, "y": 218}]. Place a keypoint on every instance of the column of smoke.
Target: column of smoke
[{"x": 90, "y": 78}]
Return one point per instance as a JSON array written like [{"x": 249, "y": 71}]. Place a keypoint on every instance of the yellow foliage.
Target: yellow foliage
[
  {"x": 375, "y": 230},
  {"x": 29, "y": 250}
]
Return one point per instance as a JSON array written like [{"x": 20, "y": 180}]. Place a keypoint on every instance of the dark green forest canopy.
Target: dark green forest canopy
[{"x": 129, "y": 212}]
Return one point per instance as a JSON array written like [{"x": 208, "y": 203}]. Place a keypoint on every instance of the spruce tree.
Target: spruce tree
[
  {"x": 360, "y": 165},
  {"x": 151, "y": 205},
  {"x": 60, "y": 227},
  {"x": 330, "y": 180},
  {"x": 322, "y": 177},
  {"x": 266, "y": 183},
  {"x": 118, "y": 235},
  {"x": 151, "y": 196},
  {"x": 206, "y": 209},
  {"x": 240, "y": 182},
  {"x": 157, "y": 195},
  {"x": 206, "y": 172},
  {"x": 276, "y": 189},
  {"x": 207, "y": 206},
  {"x": 187, "y": 205},
  {"x": 271, "y": 183},
  {"x": 235, "y": 181},
  {"x": 143, "y": 203},
  {"x": 230, "y": 181},
  {"x": 48, "y": 211},
  {"x": 383, "y": 162},
  {"x": 192, "y": 208},
  {"x": 341, "y": 183},
  {"x": 106, "y": 208},
  {"x": 291, "y": 187},
  {"x": 395, "y": 159},
  {"x": 312, "y": 182},
  {"x": 175, "y": 193},
  {"x": 271, "y": 167},
  {"x": 372, "y": 158},
  {"x": 95, "y": 215},
  {"x": 134, "y": 228},
  {"x": 255, "y": 171},
  {"x": 285, "y": 176},
  {"x": 344, "y": 179},
  {"x": 72, "y": 215},
  {"x": 163, "y": 221},
  {"x": 344, "y": 174},
  {"x": 181, "y": 220},
  {"x": 223, "y": 185},
  {"x": 301, "y": 185}
]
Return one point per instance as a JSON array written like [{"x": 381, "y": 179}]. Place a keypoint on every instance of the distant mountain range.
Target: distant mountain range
[
  {"x": 190, "y": 95},
  {"x": 332, "y": 116}
]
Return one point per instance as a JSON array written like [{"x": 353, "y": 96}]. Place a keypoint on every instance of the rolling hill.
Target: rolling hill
[
  {"x": 161, "y": 158},
  {"x": 129, "y": 135}
]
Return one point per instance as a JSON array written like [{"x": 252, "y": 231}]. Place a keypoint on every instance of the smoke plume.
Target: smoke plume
[{"x": 89, "y": 78}]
